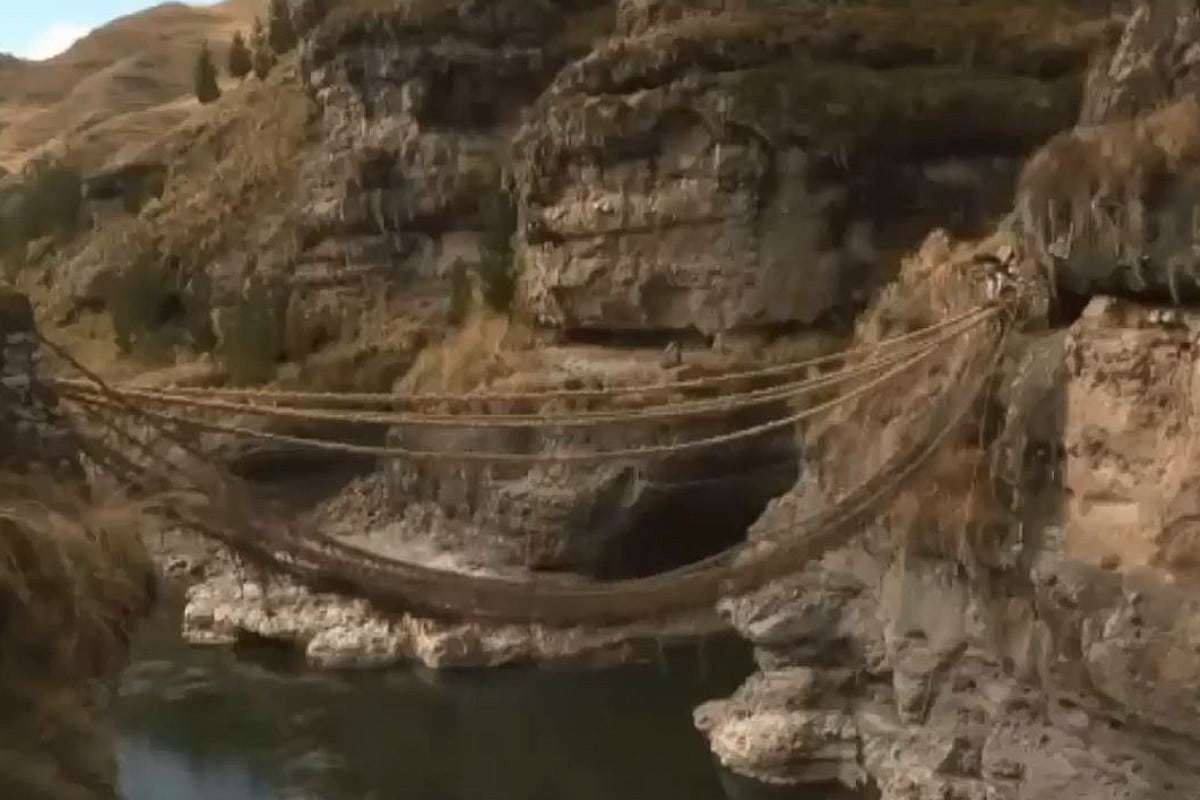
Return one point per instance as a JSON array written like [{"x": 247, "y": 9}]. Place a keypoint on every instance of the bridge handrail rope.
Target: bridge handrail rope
[
  {"x": 580, "y": 458},
  {"x": 387, "y": 562},
  {"x": 415, "y": 587},
  {"x": 383, "y": 398},
  {"x": 498, "y": 599},
  {"x": 680, "y": 410}
]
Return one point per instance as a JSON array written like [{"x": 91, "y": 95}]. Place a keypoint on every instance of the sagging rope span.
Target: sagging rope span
[{"x": 325, "y": 563}]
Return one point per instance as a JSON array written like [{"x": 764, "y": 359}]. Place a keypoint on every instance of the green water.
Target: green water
[{"x": 202, "y": 725}]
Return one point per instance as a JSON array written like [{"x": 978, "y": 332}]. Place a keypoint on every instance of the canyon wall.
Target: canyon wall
[
  {"x": 662, "y": 170},
  {"x": 1022, "y": 624},
  {"x": 31, "y": 431}
]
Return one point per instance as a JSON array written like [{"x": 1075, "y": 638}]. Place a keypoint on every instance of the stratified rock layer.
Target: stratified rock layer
[
  {"x": 737, "y": 165},
  {"x": 1023, "y": 633},
  {"x": 31, "y": 431}
]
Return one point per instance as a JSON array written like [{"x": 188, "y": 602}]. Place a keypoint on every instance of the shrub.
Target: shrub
[
  {"x": 252, "y": 341},
  {"x": 497, "y": 268},
  {"x": 47, "y": 203},
  {"x": 240, "y": 59},
  {"x": 262, "y": 58},
  {"x": 152, "y": 310},
  {"x": 280, "y": 33},
  {"x": 460, "y": 292},
  {"x": 141, "y": 300},
  {"x": 205, "y": 77}
]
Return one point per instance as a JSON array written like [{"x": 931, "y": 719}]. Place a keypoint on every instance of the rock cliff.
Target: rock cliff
[
  {"x": 1019, "y": 625},
  {"x": 724, "y": 166},
  {"x": 31, "y": 430}
]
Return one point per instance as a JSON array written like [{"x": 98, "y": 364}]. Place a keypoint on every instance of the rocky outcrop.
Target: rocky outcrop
[
  {"x": 1111, "y": 207},
  {"x": 31, "y": 430},
  {"x": 1130, "y": 466},
  {"x": 905, "y": 677},
  {"x": 739, "y": 165},
  {"x": 1023, "y": 633},
  {"x": 1016, "y": 626},
  {"x": 416, "y": 105},
  {"x": 713, "y": 166},
  {"x": 335, "y": 632},
  {"x": 610, "y": 519}
]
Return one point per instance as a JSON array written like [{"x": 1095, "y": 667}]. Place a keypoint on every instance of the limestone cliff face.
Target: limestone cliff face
[
  {"x": 1112, "y": 206},
  {"x": 709, "y": 166},
  {"x": 1017, "y": 626},
  {"x": 31, "y": 431},
  {"x": 1130, "y": 460},
  {"x": 416, "y": 102},
  {"x": 740, "y": 165}
]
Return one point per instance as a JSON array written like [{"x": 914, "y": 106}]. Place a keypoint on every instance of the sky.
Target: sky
[{"x": 40, "y": 29}]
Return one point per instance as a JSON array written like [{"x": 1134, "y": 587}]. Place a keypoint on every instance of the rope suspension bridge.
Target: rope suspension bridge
[{"x": 793, "y": 394}]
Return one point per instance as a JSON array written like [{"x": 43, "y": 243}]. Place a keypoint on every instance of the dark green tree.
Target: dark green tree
[
  {"x": 497, "y": 266},
  {"x": 261, "y": 56},
  {"x": 205, "y": 76},
  {"x": 240, "y": 60},
  {"x": 280, "y": 33}
]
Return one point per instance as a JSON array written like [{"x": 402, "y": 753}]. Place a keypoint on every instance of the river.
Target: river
[{"x": 203, "y": 725}]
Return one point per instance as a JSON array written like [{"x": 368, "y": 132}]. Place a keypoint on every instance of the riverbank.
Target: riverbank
[{"x": 259, "y": 725}]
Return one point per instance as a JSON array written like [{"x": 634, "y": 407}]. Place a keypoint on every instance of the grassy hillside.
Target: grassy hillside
[{"x": 127, "y": 80}]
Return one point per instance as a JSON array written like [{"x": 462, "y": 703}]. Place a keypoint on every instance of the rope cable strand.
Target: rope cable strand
[
  {"x": 590, "y": 457},
  {"x": 714, "y": 560},
  {"x": 676, "y": 411},
  {"x": 378, "y": 398},
  {"x": 319, "y": 562},
  {"x": 441, "y": 593}
]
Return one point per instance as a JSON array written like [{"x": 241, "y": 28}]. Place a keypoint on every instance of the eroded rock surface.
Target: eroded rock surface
[
  {"x": 726, "y": 165},
  {"x": 31, "y": 429},
  {"x": 336, "y": 632},
  {"x": 614, "y": 519},
  {"x": 1026, "y": 633}
]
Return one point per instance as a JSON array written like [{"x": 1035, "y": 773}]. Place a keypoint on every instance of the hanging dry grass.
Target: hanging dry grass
[
  {"x": 486, "y": 348},
  {"x": 74, "y": 579}
]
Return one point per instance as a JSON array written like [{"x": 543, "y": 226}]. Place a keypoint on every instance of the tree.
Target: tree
[
  {"x": 205, "y": 77},
  {"x": 263, "y": 59},
  {"x": 280, "y": 32},
  {"x": 240, "y": 60}
]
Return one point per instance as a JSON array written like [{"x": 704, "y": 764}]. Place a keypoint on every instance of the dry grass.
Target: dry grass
[
  {"x": 1094, "y": 186},
  {"x": 952, "y": 512},
  {"x": 74, "y": 579},
  {"x": 232, "y": 168},
  {"x": 127, "y": 67},
  {"x": 371, "y": 357},
  {"x": 486, "y": 349},
  {"x": 228, "y": 203}
]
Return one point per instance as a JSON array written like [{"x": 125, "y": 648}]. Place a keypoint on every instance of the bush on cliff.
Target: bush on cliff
[
  {"x": 154, "y": 310},
  {"x": 241, "y": 61},
  {"x": 140, "y": 301},
  {"x": 280, "y": 33},
  {"x": 47, "y": 202},
  {"x": 497, "y": 266},
  {"x": 204, "y": 77},
  {"x": 262, "y": 59},
  {"x": 74, "y": 582},
  {"x": 253, "y": 337}
]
